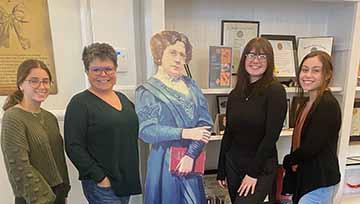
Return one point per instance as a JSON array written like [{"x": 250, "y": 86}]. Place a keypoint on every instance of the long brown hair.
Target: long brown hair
[
  {"x": 23, "y": 71},
  {"x": 261, "y": 45},
  {"x": 327, "y": 73}
]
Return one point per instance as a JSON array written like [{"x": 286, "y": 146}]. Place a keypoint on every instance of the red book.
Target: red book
[{"x": 177, "y": 153}]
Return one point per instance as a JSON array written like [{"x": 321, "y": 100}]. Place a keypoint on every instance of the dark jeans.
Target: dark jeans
[
  {"x": 59, "y": 191},
  {"x": 263, "y": 186},
  {"x": 98, "y": 195}
]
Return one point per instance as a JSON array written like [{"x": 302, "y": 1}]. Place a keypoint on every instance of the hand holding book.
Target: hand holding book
[
  {"x": 185, "y": 165},
  {"x": 181, "y": 164}
]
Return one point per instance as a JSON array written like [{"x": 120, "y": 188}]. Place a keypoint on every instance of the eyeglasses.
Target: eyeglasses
[
  {"x": 98, "y": 70},
  {"x": 35, "y": 83},
  {"x": 253, "y": 56}
]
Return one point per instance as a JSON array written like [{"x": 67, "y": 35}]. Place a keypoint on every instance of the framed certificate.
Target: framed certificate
[
  {"x": 284, "y": 47},
  {"x": 309, "y": 44},
  {"x": 237, "y": 34}
]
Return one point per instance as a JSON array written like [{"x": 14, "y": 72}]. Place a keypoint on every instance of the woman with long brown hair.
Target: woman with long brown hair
[
  {"x": 31, "y": 142},
  {"x": 312, "y": 168},
  {"x": 255, "y": 113}
]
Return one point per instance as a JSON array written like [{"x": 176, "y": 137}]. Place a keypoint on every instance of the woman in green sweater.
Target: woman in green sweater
[
  {"x": 101, "y": 132},
  {"x": 31, "y": 142}
]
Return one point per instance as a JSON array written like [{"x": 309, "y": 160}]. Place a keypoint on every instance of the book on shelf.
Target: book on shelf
[
  {"x": 220, "y": 67},
  {"x": 177, "y": 153}
]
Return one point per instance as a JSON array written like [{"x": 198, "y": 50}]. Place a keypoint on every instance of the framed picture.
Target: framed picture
[
  {"x": 309, "y": 44},
  {"x": 222, "y": 123},
  {"x": 355, "y": 123},
  {"x": 296, "y": 102},
  {"x": 187, "y": 70},
  {"x": 237, "y": 34},
  {"x": 220, "y": 67},
  {"x": 221, "y": 104},
  {"x": 287, "y": 118},
  {"x": 284, "y": 47}
]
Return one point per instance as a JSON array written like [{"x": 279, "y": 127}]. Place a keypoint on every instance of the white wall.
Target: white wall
[{"x": 112, "y": 21}]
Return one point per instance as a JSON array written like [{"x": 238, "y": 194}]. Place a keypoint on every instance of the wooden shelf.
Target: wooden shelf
[
  {"x": 216, "y": 91},
  {"x": 357, "y": 88},
  {"x": 284, "y": 133},
  {"x": 225, "y": 91}
]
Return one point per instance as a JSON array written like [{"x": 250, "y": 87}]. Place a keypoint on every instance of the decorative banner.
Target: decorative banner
[{"x": 24, "y": 34}]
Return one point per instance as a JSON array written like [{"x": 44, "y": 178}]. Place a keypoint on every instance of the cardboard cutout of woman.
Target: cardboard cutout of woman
[{"x": 173, "y": 113}]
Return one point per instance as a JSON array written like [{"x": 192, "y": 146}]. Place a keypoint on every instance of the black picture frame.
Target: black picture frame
[
  {"x": 187, "y": 70},
  {"x": 221, "y": 103},
  {"x": 355, "y": 131},
  {"x": 278, "y": 42}
]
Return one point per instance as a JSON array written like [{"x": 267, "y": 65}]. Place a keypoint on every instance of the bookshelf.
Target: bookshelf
[{"x": 200, "y": 20}]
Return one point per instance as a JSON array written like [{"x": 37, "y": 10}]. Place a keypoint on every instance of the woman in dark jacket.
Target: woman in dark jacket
[{"x": 312, "y": 168}]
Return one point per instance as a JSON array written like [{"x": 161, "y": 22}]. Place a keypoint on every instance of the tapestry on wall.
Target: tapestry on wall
[{"x": 24, "y": 33}]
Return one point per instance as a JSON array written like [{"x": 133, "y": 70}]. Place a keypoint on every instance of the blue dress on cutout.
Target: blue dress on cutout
[{"x": 163, "y": 112}]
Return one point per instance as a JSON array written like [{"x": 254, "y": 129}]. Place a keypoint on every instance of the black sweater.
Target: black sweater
[
  {"x": 317, "y": 154},
  {"x": 254, "y": 123},
  {"x": 102, "y": 141}
]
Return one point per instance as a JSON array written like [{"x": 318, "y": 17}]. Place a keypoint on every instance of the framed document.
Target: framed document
[
  {"x": 220, "y": 67},
  {"x": 284, "y": 47},
  {"x": 309, "y": 44},
  {"x": 221, "y": 103},
  {"x": 237, "y": 34}
]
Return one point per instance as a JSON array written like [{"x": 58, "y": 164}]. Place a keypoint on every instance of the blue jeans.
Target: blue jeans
[
  {"x": 319, "y": 196},
  {"x": 98, "y": 195}
]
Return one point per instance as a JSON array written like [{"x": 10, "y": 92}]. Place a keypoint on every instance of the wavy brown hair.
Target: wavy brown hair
[
  {"x": 160, "y": 41},
  {"x": 261, "y": 46},
  {"x": 23, "y": 71}
]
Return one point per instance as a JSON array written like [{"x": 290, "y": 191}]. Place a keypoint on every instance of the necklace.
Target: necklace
[{"x": 36, "y": 115}]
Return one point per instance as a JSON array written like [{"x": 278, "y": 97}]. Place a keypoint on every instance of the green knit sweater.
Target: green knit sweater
[{"x": 34, "y": 154}]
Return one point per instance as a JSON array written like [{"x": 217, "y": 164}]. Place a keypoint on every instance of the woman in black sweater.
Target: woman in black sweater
[
  {"x": 312, "y": 169},
  {"x": 256, "y": 111}
]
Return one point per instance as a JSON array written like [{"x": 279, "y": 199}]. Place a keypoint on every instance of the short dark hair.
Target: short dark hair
[
  {"x": 100, "y": 51},
  {"x": 160, "y": 41}
]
